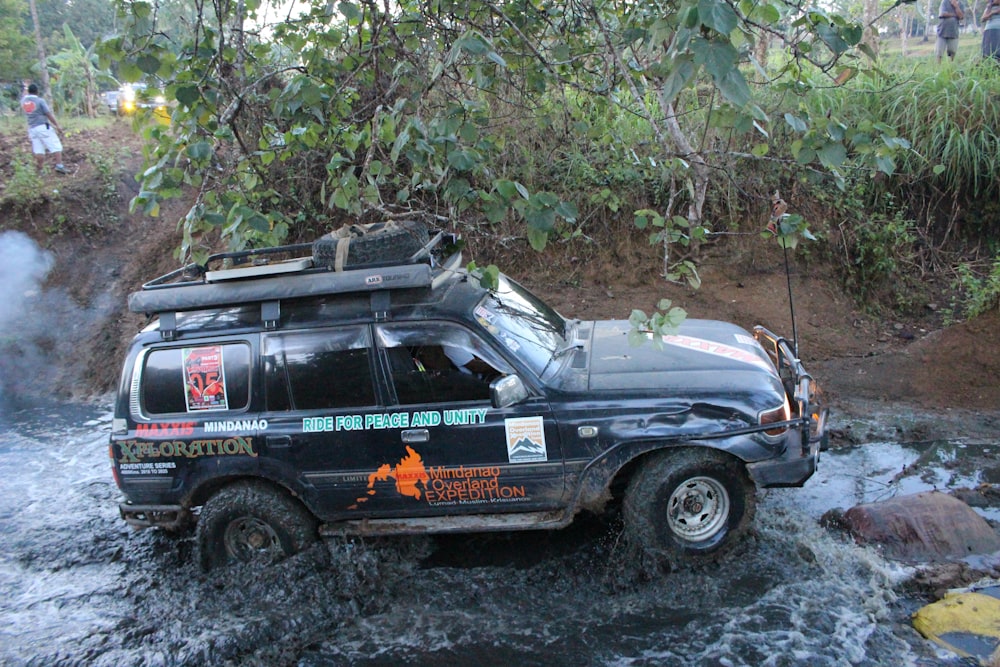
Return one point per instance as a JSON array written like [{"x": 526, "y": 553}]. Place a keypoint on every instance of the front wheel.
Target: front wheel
[
  {"x": 689, "y": 505},
  {"x": 251, "y": 520}
]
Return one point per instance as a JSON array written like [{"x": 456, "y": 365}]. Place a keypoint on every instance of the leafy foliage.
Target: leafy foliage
[
  {"x": 14, "y": 42},
  {"x": 360, "y": 111},
  {"x": 980, "y": 291}
]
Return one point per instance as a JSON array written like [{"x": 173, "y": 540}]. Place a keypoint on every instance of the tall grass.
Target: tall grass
[{"x": 952, "y": 118}]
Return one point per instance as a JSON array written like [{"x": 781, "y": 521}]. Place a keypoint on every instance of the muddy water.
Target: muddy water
[{"x": 77, "y": 587}]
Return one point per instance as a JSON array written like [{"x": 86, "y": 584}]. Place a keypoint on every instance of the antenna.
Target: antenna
[
  {"x": 778, "y": 208},
  {"x": 791, "y": 302}
]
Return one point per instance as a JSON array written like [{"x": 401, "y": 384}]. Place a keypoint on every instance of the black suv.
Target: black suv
[{"x": 369, "y": 384}]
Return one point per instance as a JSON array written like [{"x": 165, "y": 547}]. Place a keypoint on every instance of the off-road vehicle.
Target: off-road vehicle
[{"x": 373, "y": 385}]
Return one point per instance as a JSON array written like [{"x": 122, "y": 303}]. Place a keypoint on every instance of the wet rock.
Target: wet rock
[
  {"x": 922, "y": 527},
  {"x": 934, "y": 581},
  {"x": 984, "y": 495}
]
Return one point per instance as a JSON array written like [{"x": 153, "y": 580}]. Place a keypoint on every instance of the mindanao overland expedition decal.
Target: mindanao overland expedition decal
[
  {"x": 526, "y": 440},
  {"x": 438, "y": 485},
  {"x": 204, "y": 378}
]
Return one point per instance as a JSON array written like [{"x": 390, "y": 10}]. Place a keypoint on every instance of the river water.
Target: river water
[{"x": 77, "y": 587}]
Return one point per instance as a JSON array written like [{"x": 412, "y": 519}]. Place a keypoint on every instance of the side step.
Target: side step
[{"x": 470, "y": 523}]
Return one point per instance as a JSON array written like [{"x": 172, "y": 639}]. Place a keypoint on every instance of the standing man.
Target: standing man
[
  {"x": 43, "y": 130},
  {"x": 991, "y": 30},
  {"x": 950, "y": 13}
]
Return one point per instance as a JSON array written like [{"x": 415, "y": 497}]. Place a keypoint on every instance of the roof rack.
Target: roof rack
[{"x": 269, "y": 275}]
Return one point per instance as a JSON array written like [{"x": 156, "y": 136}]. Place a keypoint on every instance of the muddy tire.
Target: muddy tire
[
  {"x": 377, "y": 243},
  {"x": 689, "y": 506},
  {"x": 248, "y": 521}
]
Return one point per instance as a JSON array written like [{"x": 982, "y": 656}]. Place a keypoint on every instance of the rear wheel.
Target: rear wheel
[
  {"x": 689, "y": 505},
  {"x": 249, "y": 521}
]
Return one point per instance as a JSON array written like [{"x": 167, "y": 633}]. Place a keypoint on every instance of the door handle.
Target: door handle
[
  {"x": 278, "y": 441},
  {"x": 415, "y": 435}
]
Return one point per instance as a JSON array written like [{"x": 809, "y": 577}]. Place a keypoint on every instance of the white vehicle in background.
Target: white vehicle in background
[{"x": 133, "y": 97}]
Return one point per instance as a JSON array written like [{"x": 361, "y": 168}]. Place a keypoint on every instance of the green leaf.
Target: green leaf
[
  {"x": 637, "y": 319},
  {"x": 187, "y": 95},
  {"x": 796, "y": 123},
  {"x": 495, "y": 57},
  {"x": 472, "y": 43},
  {"x": 885, "y": 164},
  {"x": 461, "y": 160},
  {"x": 831, "y": 37},
  {"x": 201, "y": 150},
  {"x": 679, "y": 77},
  {"x": 832, "y": 155},
  {"x": 568, "y": 211},
  {"x": 129, "y": 71},
  {"x": 350, "y": 12},
  {"x": 717, "y": 15},
  {"x": 147, "y": 63},
  {"x": 734, "y": 87},
  {"x": 537, "y": 238},
  {"x": 259, "y": 223}
]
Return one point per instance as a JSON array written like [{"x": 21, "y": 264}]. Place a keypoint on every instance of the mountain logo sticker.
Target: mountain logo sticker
[{"x": 526, "y": 440}]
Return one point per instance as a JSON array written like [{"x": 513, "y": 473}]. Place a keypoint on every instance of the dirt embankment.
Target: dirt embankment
[{"x": 102, "y": 252}]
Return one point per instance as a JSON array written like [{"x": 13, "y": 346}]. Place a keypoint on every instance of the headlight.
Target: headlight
[{"x": 776, "y": 415}]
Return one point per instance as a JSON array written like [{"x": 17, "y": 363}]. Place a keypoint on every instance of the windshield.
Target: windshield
[{"x": 522, "y": 323}]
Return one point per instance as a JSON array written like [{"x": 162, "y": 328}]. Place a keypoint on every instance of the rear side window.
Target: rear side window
[
  {"x": 319, "y": 370},
  {"x": 204, "y": 378}
]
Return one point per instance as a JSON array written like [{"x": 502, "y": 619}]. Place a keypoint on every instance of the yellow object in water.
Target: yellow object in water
[{"x": 966, "y": 622}]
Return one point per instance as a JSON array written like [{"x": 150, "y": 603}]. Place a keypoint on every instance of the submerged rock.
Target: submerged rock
[{"x": 922, "y": 527}]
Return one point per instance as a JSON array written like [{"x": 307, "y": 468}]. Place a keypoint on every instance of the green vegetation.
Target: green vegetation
[
  {"x": 25, "y": 189},
  {"x": 571, "y": 123}
]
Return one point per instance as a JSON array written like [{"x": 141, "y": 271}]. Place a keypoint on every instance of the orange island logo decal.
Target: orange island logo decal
[{"x": 443, "y": 486}]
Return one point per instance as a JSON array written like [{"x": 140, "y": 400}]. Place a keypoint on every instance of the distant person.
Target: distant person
[
  {"x": 950, "y": 13},
  {"x": 43, "y": 130},
  {"x": 991, "y": 30}
]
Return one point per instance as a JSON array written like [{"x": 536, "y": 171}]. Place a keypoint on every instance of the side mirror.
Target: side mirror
[{"x": 507, "y": 390}]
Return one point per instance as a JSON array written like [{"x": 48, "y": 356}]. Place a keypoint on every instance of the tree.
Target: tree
[
  {"x": 15, "y": 46},
  {"x": 399, "y": 110},
  {"x": 78, "y": 76},
  {"x": 90, "y": 20},
  {"x": 43, "y": 68}
]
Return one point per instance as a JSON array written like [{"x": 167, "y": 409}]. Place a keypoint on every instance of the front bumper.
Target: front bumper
[
  {"x": 792, "y": 469},
  {"x": 802, "y": 457}
]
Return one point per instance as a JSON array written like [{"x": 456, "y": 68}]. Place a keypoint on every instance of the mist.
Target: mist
[{"x": 33, "y": 321}]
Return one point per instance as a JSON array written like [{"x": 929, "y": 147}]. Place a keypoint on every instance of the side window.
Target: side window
[
  {"x": 438, "y": 362},
  {"x": 203, "y": 378},
  {"x": 317, "y": 370}
]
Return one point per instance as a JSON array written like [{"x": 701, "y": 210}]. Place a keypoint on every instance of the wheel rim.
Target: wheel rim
[
  {"x": 248, "y": 537},
  {"x": 698, "y": 509}
]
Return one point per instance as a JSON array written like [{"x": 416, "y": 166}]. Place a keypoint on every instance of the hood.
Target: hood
[{"x": 702, "y": 354}]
